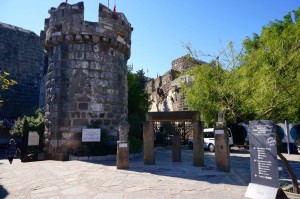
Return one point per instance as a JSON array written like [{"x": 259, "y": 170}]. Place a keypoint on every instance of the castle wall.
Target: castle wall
[
  {"x": 22, "y": 57},
  {"x": 184, "y": 63},
  {"x": 165, "y": 92},
  {"x": 87, "y": 75}
]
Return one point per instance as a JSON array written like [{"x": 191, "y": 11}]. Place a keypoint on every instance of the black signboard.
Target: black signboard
[{"x": 263, "y": 150}]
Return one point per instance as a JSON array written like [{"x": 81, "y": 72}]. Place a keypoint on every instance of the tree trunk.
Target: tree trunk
[
  {"x": 287, "y": 165},
  {"x": 290, "y": 171}
]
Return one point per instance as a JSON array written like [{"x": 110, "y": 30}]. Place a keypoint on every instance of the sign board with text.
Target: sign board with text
[
  {"x": 33, "y": 138},
  {"x": 263, "y": 150},
  {"x": 91, "y": 135}
]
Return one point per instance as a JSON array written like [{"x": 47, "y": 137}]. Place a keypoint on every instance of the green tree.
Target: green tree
[
  {"x": 138, "y": 102},
  {"x": 271, "y": 69},
  {"x": 214, "y": 87},
  {"x": 260, "y": 82},
  {"x": 5, "y": 82},
  {"x": 29, "y": 123}
]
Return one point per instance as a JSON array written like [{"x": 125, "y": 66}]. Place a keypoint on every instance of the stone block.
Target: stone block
[
  {"x": 95, "y": 39},
  {"x": 64, "y": 122},
  {"x": 84, "y": 158},
  {"x": 75, "y": 138},
  {"x": 96, "y": 107},
  {"x": 79, "y": 55},
  {"x": 71, "y": 55},
  {"x": 83, "y": 106},
  {"x": 111, "y": 157},
  {"x": 82, "y": 65},
  {"x": 97, "y": 158},
  {"x": 78, "y": 38},
  {"x": 72, "y": 157},
  {"x": 93, "y": 114},
  {"x": 95, "y": 47},
  {"x": 107, "y": 122},
  {"x": 96, "y": 66},
  {"x": 80, "y": 122},
  {"x": 75, "y": 115}
]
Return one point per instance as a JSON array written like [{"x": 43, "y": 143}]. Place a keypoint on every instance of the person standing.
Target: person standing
[{"x": 11, "y": 150}]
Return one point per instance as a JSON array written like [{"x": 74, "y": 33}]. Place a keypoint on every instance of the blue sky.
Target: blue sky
[{"x": 161, "y": 27}]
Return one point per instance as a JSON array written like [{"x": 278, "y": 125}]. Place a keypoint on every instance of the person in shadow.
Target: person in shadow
[{"x": 11, "y": 150}]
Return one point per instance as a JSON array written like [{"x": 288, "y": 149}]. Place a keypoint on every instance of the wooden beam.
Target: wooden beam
[{"x": 173, "y": 116}]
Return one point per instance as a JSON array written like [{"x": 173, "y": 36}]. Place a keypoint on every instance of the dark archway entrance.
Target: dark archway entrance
[{"x": 188, "y": 116}]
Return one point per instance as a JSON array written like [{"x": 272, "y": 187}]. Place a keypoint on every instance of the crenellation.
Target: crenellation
[{"x": 66, "y": 24}]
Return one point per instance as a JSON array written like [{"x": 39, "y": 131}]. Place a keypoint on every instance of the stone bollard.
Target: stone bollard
[
  {"x": 176, "y": 142},
  {"x": 122, "y": 146},
  {"x": 222, "y": 145},
  {"x": 148, "y": 138}
]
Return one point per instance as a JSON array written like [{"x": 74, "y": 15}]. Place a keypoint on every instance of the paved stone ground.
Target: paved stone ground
[{"x": 165, "y": 179}]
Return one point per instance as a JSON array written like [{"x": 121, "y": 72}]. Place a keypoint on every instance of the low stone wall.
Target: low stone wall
[{"x": 102, "y": 158}]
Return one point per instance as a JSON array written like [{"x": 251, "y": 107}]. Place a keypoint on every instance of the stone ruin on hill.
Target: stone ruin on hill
[{"x": 165, "y": 91}]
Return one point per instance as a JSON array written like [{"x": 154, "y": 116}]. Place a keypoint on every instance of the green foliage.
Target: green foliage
[
  {"x": 213, "y": 88},
  {"x": 260, "y": 82},
  {"x": 29, "y": 123},
  {"x": 138, "y": 102},
  {"x": 135, "y": 145},
  {"x": 272, "y": 65},
  {"x": 5, "y": 82}
]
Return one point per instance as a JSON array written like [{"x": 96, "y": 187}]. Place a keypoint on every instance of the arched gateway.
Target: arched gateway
[{"x": 189, "y": 116}]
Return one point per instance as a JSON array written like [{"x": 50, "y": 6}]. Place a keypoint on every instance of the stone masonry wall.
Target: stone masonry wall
[
  {"x": 87, "y": 74},
  {"x": 165, "y": 92},
  {"x": 22, "y": 57}
]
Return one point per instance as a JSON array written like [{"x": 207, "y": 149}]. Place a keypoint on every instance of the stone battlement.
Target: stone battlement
[
  {"x": 184, "y": 63},
  {"x": 66, "y": 25}
]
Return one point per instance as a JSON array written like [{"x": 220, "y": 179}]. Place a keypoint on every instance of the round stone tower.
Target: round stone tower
[{"x": 87, "y": 75}]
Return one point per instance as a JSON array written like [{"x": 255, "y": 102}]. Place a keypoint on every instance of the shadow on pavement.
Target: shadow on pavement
[
  {"x": 239, "y": 175},
  {"x": 3, "y": 192},
  {"x": 239, "y": 163}
]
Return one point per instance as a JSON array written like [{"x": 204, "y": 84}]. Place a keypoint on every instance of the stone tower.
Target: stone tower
[{"x": 87, "y": 74}]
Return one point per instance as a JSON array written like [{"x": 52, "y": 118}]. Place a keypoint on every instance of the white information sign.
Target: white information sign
[
  {"x": 91, "y": 135},
  {"x": 123, "y": 145},
  {"x": 219, "y": 132},
  {"x": 33, "y": 138}
]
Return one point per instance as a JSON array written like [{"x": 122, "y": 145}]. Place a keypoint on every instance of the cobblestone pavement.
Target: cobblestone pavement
[{"x": 165, "y": 179}]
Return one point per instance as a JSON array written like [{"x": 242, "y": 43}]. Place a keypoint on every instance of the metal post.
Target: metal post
[{"x": 288, "y": 136}]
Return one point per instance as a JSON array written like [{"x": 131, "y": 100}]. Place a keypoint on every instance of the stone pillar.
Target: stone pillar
[
  {"x": 222, "y": 145},
  {"x": 148, "y": 137},
  {"x": 176, "y": 142},
  {"x": 122, "y": 155},
  {"x": 198, "y": 148},
  {"x": 122, "y": 146}
]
